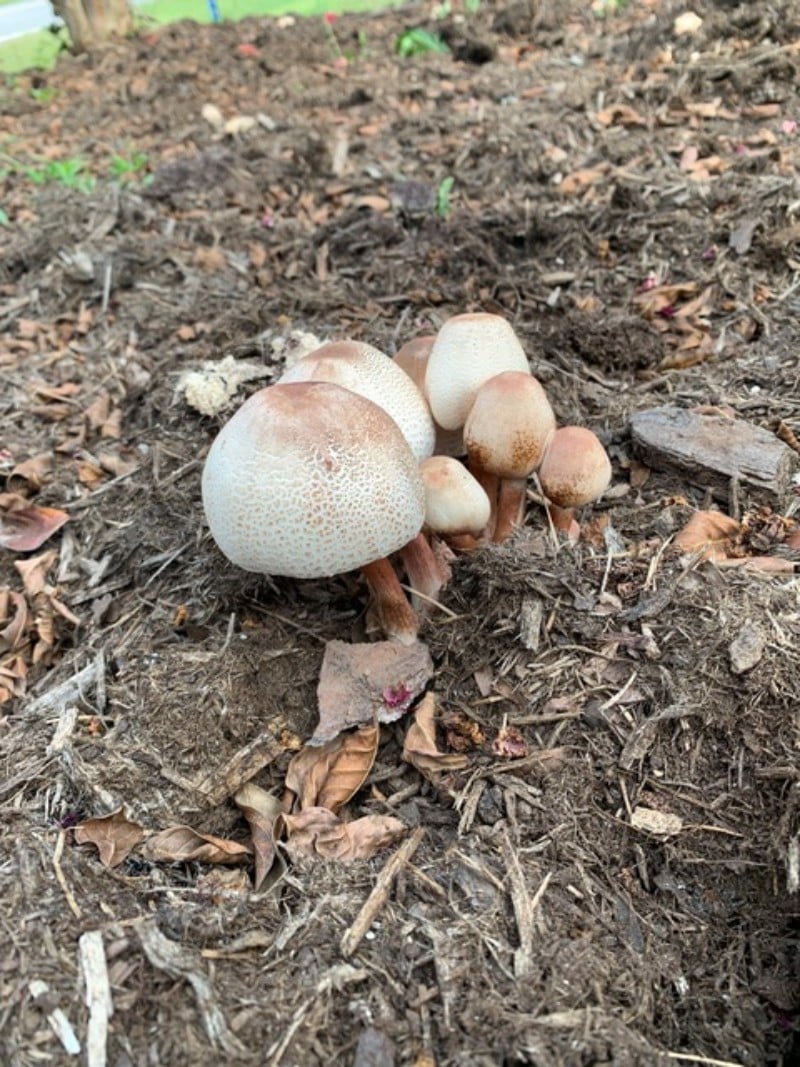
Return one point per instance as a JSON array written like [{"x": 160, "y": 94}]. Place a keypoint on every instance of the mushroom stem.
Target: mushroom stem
[
  {"x": 490, "y": 484},
  {"x": 510, "y": 507},
  {"x": 564, "y": 522},
  {"x": 390, "y": 607},
  {"x": 426, "y": 574}
]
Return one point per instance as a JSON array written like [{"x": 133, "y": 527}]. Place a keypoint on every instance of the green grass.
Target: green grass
[{"x": 41, "y": 49}]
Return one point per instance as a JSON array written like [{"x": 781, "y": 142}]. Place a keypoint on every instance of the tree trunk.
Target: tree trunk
[{"x": 94, "y": 22}]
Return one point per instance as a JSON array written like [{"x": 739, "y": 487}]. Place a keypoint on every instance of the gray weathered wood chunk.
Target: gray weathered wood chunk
[{"x": 710, "y": 450}]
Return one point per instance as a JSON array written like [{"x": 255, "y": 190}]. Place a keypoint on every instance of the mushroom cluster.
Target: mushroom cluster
[{"x": 350, "y": 460}]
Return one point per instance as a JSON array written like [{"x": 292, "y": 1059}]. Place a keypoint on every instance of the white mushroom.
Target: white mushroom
[
  {"x": 310, "y": 480},
  {"x": 366, "y": 370},
  {"x": 469, "y": 349},
  {"x": 413, "y": 358}
]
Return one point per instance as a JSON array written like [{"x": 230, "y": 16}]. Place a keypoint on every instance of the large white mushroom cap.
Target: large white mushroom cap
[
  {"x": 469, "y": 349},
  {"x": 309, "y": 480},
  {"x": 366, "y": 370}
]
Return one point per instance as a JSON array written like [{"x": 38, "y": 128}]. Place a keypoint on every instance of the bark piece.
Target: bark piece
[{"x": 710, "y": 450}]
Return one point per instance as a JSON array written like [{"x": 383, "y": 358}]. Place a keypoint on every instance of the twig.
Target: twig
[
  {"x": 62, "y": 1028},
  {"x": 60, "y": 878},
  {"x": 380, "y": 893},
  {"x": 524, "y": 908},
  {"x": 98, "y": 996},
  {"x": 688, "y": 1057},
  {"x": 67, "y": 693},
  {"x": 240, "y": 768}
]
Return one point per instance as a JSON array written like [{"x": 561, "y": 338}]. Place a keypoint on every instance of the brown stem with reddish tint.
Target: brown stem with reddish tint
[
  {"x": 390, "y": 606},
  {"x": 426, "y": 573},
  {"x": 510, "y": 507},
  {"x": 564, "y": 522},
  {"x": 490, "y": 484}
]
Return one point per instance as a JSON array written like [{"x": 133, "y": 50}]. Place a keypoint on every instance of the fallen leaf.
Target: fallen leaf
[
  {"x": 14, "y": 617},
  {"x": 261, "y": 809},
  {"x": 359, "y": 683},
  {"x": 33, "y": 471},
  {"x": 114, "y": 836},
  {"x": 317, "y": 832},
  {"x": 34, "y": 572},
  {"x": 26, "y": 529},
  {"x": 223, "y": 883},
  {"x": 181, "y": 844},
  {"x": 661, "y": 823},
  {"x": 710, "y": 533},
  {"x": 420, "y": 748},
  {"x": 329, "y": 775}
]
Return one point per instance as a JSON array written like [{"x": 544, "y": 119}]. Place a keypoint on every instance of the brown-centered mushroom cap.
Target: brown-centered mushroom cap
[
  {"x": 576, "y": 469},
  {"x": 366, "y": 370},
  {"x": 310, "y": 480}
]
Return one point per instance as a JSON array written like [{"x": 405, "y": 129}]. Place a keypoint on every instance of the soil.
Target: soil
[{"x": 626, "y": 194}]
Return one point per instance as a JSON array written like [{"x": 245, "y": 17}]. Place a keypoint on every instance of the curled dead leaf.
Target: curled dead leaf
[
  {"x": 510, "y": 744},
  {"x": 14, "y": 618},
  {"x": 420, "y": 748},
  {"x": 25, "y": 529},
  {"x": 261, "y": 809},
  {"x": 34, "y": 572},
  {"x": 318, "y": 833},
  {"x": 329, "y": 775},
  {"x": 181, "y": 844},
  {"x": 114, "y": 836}
]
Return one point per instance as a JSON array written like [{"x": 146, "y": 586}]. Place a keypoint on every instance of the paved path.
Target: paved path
[{"x": 16, "y": 19}]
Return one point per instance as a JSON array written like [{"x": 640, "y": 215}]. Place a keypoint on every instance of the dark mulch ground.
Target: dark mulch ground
[{"x": 594, "y": 160}]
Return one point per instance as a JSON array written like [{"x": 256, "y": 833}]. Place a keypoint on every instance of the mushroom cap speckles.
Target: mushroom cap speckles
[
  {"x": 366, "y": 370},
  {"x": 576, "y": 469},
  {"x": 469, "y": 349},
  {"x": 455, "y": 503},
  {"x": 509, "y": 425},
  {"x": 309, "y": 480}
]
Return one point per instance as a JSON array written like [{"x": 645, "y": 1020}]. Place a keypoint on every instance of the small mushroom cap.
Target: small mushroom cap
[
  {"x": 469, "y": 349},
  {"x": 366, "y": 370},
  {"x": 576, "y": 469},
  {"x": 412, "y": 357},
  {"x": 309, "y": 480},
  {"x": 509, "y": 425},
  {"x": 455, "y": 503}
]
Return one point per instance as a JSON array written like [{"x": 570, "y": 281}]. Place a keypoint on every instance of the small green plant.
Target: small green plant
[
  {"x": 44, "y": 95},
  {"x": 128, "y": 169},
  {"x": 72, "y": 173},
  {"x": 4, "y": 219},
  {"x": 604, "y": 8},
  {"x": 419, "y": 42},
  {"x": 443, "y": 203}
]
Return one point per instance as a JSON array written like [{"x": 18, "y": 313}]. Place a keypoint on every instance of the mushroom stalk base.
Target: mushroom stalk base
[
  {"x": 390, "y": 606},
  {"x": 510, "y": 507},
  {"x": 426, "y": 574},
  {"x": 564, "y": 522},
  {"x": 490, "y": 484}
]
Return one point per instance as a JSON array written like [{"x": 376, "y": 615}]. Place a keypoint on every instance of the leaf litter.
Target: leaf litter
[{"x": 557, "y": 219}]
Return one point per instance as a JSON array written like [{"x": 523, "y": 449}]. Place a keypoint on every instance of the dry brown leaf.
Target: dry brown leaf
[
  {"x": 114, "y": 836},
  {"x": 26, "y": 529},
  {"x": 181, "y": 844},
  {"x": 34, "y": 471},
  {"x": 34, "y": 572},
  {"x": 420, "y": 748},
  {"x": 261, "y": 809},
  {"x": 360, "y": 682},
  {"x": 709, "y": 532},
  {"x": 317, "y": 832},
  {"x": 14, "y": 618},
  {"x": 579, "y": 180},
  {"x": 329, "y": 775}
]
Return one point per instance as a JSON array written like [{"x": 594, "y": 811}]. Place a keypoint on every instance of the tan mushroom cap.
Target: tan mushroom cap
[
  {"x": 309, "y": 480},
  {"x": 366, "y": 370},
  {"x": 576, "y": 469},
  {"x": 469, "y": 349},
  {"x": 455, "y": 503},
  {"x": 412, "y": 357},
  {"x": 509, "y": 425}
]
